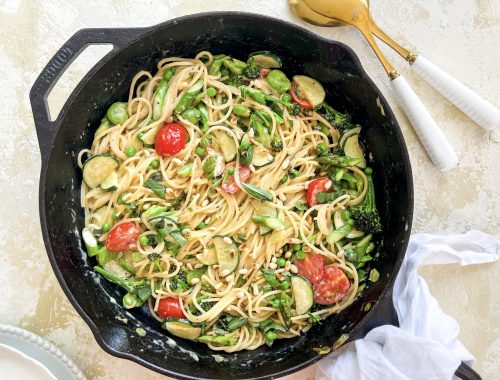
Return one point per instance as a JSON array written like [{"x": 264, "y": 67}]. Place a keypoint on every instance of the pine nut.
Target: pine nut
[
  {"x": 293, "y": 268},
  {"x": 328, "y": 185},
  {"x": 198, "y": 266},
  {"x": 176, "y": 161},
  {"x": 145, "y": 206},
  {"x": 273, "y": 266},
  {"x": 224, "y": 273},
  {"x": 252, "y": 168},
  {"x": 227, "y": 240},
  {"x": 243, "y": 271},
  {"x": 194, "y": 281},
  {"x": 288, "y": 255},
  {"x": 295, "y": 241},
  {"x": 273, "y": 259},
  {"x": 255, "y": 289},
  {"x": 288, "y": 264},
  {"x": 230, "y": 278},
  {"x": 189, "y": 266}
]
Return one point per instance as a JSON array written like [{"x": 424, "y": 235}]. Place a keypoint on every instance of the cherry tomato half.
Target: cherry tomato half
[
  {"x": 332, "y": 288},
  {"x": 311, "y": 267},
  {"x": 315, "y": 187},
  {"x": 123, "y": 237},
  {"x": 297, "y": 98},
  {"x": 170, "y": 139},
  {"x": 169, "y": 308},
  {"x": 230, "y": 186}
]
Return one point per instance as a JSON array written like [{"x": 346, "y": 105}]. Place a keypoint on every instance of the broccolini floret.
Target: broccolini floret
[
  {"x": 235, "y": 80},
  {"x": 365, "y": 215},
  {"x": 252, "y": 70},
  {"x": 336, "y": 119},
  {"x": 276, "y": 144}
]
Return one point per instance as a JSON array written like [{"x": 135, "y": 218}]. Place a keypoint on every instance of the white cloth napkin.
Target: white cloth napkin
[{"x": 426, "y": 345}]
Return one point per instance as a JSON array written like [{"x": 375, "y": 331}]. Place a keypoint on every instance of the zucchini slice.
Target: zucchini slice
[
  {"x": 97, "y": 168},
  {"x": 227, "y": 145},
  {"x": 149, "y": 137},
  {"x": 265, "y": 59},
  {"x": 311, "y": 89},
  {"x": 181, "y": 328},
  {"x": 265, "y": 209},
  {"x": 101, "y": 211},
  {"x": 337, "y": 219},
  {"x": 346, "y": 135},
  {"x": 261, "y": 157},
  {"x": 303, "y": 294},
  {"x": 111, "y": 182},
  {"x": 228, "y": 255},
  {"x": 353, "y": 149},
  {"x": 105, "y": 125},
  {"x": 208, "y": 257}
]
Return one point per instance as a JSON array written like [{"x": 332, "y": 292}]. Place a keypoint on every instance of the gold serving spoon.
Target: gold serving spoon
[
  {"x": 355, "y": 13},
  {"x": 325, "y": 13}
]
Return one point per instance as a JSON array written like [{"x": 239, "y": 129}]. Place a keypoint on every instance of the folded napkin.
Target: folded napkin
[{"x": 426, "y": 345}]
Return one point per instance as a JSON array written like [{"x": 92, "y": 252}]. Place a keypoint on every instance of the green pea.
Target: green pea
[
  {"x": 283, "y": 179},
  {"x": 209, "y": 165},
  {"x": 201, "y": 226},
  {"x": 105, "y": 227},
  {"x": 117, "y": 113},
  {"x": 154, "y": 164},
  {"x": 271, "y": 335},
  {"x": 169, "y": 73},
  {"x": 368, "y": 171},
  {"x": 294, "y": 173},
  {"x": 192, "y": 115},
  {"x": 278, "y": 80},
  {"x": 349, "y": 222},
  {"x": 114, "y": 216},
  {"x": 230, "y": 171},
  {"x": 281, "y": 262},
  {"x": 212, "y": 92},
  {"x": 297, "y": 247},
  {"x": 286, "y": 97},
  {"x": 139, "y": 136},
  {"x": 144, "y": 240},
  {"x": 300, "y": 254},
  {"x": 321, "y": 148},
  {"x": 130, "y": 151},
  {"x": 276, "y": 303},
  {"x": 200, "y": 151},
  {"x": 241, "y": 110}
]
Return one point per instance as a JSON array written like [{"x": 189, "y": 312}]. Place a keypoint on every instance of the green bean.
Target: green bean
[
  {"x": 169, "y": 73},
  {"x": 203, "y": 116},
  {"x": 192, "y": 115},
  {"x": 215, "y": 67},
  {"x": 186, "y": 170},
  {"x": 189, "y": 97},
  {"x": 159, "y": 99},
  {"x": 117, "y": 113},
  {"x": 278, "y": 80},
  {"x": 241, "y": 110}
]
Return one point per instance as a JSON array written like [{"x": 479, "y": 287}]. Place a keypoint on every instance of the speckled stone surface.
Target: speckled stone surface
[{"x": 462, "y": 36}]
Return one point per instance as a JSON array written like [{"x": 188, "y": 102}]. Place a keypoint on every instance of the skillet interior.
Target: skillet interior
[{"x": 349, "y": 89}]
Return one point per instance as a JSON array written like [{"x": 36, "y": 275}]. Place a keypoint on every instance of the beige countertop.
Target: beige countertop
[{"x": 461, "y": 36}]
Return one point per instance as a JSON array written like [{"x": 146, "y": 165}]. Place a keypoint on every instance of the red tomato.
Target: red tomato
[
  {"x": 169, "y": 308},
  {"x": 332, "y": 287},
  {"x": 264, "y": 72},
  {"x": 230, "y": 186},
  {"x": 315, "y": 187},
  {"x": 123, "y": 238},
  {"x": 311, "y": 267},
  {"x": 297, "y": 99},
  {"x": 170, "y": 139}
]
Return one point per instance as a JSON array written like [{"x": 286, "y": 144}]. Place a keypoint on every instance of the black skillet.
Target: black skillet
[{"x": 349, "y": 89}]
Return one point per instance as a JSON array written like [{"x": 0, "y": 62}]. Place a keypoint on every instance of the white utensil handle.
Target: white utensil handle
[
  {"x": 478, "y": 109},
  {"x": 431, "y": 136}
]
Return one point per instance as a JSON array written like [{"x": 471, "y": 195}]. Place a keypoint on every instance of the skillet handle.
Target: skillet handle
[{"x": 46, "y": 128}]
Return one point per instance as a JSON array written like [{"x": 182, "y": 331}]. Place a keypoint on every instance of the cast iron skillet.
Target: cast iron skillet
[{"x": 349, "y": 89}]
